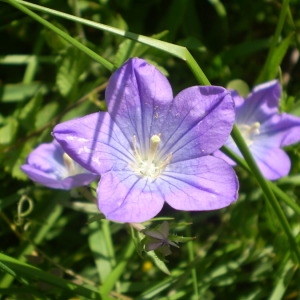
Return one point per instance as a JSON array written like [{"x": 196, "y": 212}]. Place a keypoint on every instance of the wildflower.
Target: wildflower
[
  {"x": 265, "y": 130},
  {"x": 150, "y": 148},
  {"x": 51, "y": 167}
]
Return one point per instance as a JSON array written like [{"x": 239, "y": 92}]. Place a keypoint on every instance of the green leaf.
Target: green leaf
[
  {"x": 158, "y": 262},
  {"x": 49, "y": 215},
  {"x": 60, "y": 32},
  {"x": 179, "y": 9},
  {"x": 46, "y": 113},
  {"x": 244, "y": 49},
  {"x": 8, "y": 130},
  {"x": 33, "y": 273},
  {"x": 102, "y": 248},
  {"x": 172, "y": 49},
  {"x": 20, "y": 92},
  {"x": 181, "y": 239},
  {"x": 155, "y": 289},
  {"x": 73, "y": 64},
  {"x": 137, "y": 238},
  {"x": 284, "y": 276},
  {"x": 119, "y": 269},
  {"x": 28, "y": 113},
  {"x": 271, "y": 68},
  {"x": 15, "y": 158},
  {"x": 270, "y": 63}
]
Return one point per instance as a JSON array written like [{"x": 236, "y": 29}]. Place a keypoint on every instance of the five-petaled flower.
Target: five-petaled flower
[
  {"x": 151, "y": 148},
  {"x": 265, "y": 130},
  {"x": 50, "y": 166}
]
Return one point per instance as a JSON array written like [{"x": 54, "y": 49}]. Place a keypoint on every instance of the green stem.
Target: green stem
[
  {"x": 197, "y": 71},
  {"x": 266, "y": 188},
  {"x": 276, "y": 190},
  {"x": 113, "y": 277},
  {"x": 283, "y": 13},
  {"x": 27, "y": 271},
  {"x": 63, "y": 34},
  {"x": 190, "y": 246},
  {"x": 177, "y": 51}
]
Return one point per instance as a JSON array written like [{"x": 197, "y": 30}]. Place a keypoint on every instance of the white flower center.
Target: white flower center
[
  {"x": 149, "y": 165},
  {"x": 72, "y": 167},
  {"x": 249, "y": 132}
]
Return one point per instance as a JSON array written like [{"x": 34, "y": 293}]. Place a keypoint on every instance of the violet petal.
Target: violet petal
[
  {"x": 205, "y": 183},
  {"x": 125, "y": 197}
]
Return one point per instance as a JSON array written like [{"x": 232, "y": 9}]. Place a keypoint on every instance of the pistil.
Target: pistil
[{"x": 147, "y": 164}]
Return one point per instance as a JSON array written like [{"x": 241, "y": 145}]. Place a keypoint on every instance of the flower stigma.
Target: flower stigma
[
  {"x": 149, "y": 165},
  {"x": 249, "y": 132}
]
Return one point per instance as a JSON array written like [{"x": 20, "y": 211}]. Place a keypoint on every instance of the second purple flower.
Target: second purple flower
[
  {"x": 151, "y": 148},
  {"x": 265, "y": 129}
]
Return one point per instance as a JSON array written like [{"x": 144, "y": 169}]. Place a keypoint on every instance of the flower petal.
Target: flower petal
[
  {"x": 48, "y": 157},
  {"x": 274, "y": 163},
  {"x": 46, "y": 179},
  {"x": 205, "y": 183},
  {"x": 199, "y": 122},
  {"x": 45, "y": 165},
  {"x": 281, "y": 130},
  {"x": 125, "y": 197},
  {"x": 67, "y": 183},
  {"x": 95, "y": 142},
  {"x": 260, "y": 105},
  {"x": 223, "y": 156},
  {"x": 137, "y": 94}
]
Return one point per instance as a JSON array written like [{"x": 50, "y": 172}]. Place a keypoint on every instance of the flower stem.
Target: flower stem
[
  {"x": 266, "y": 188},
  {"x": 263, "y": 76},
  {"x": 191, "y": 255},
  {"x": 64, "y": 35},
  {"x": 175, "y": 50},
  {"x": 276, "y": 190}
]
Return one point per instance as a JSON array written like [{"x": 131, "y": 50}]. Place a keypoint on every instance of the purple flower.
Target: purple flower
[
  {"x": 265, "y": 130},
  {"x": 50, "y": 166},
  {"x": 151, "y": 148}
]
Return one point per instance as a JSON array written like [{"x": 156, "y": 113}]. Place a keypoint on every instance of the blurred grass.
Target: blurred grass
[{"x": 240, "y": 252}]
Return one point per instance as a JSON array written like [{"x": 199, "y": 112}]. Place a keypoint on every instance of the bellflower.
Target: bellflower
[
  {"x": 151, "y": 148},
  {"x": 265, "y": 130},
  {"x": 51, "y": 167}
]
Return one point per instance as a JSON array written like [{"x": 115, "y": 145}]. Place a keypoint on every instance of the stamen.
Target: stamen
[
  {"x": 165, "y": 162},
  {"x": 136, "y": 152},
  {"x": 148, "y": 164},
  {"x": 249, "y": 132},
  {"x": 69, "y": 163}
]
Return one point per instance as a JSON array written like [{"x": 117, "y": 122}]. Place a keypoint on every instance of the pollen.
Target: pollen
[{"x": 149, "y": 164}]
